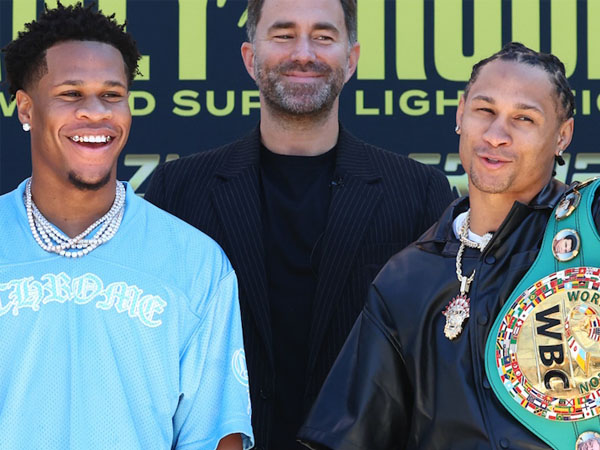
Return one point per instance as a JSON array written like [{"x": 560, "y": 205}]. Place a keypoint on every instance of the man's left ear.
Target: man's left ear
[
  {"x": 353, "y": 60},
  {"x": 565, "y": 134}
]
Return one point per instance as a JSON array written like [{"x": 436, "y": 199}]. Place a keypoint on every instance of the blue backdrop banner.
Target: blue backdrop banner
[{"x": 416, "y": 56}]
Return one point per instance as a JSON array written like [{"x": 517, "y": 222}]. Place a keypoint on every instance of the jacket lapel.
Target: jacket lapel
[
  {"x": 352, "y": 206},
  {"x": 237, "y": 200}
]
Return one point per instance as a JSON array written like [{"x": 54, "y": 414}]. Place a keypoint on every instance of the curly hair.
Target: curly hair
[
  {"x": 25, "y": 57},
  {"x": 515, "y": 51}
]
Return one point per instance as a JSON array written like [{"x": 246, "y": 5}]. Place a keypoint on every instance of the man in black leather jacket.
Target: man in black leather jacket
[{"x": 404, "y": 381}]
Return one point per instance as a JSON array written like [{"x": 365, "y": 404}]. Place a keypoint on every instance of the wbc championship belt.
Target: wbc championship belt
[{"x": 542, "y": 356}]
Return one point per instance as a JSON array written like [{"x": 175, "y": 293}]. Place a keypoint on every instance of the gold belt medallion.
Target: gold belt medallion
[{"x": 548, "y": 346}]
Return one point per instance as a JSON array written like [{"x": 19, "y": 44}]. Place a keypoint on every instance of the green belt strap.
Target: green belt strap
[{"x": 542, "y": 356}]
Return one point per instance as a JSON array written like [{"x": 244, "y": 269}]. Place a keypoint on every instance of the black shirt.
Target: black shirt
[{"x": 296, "y": 192}]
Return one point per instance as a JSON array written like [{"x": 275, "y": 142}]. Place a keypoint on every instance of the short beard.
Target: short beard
[
  {"x": 300, "y": 101},
  {"x": 86, "y": 186},
  {"x": 489, "y": 188}
]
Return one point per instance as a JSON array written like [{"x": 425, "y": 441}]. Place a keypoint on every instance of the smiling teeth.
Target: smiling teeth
[{"x": 93, "y": 139}]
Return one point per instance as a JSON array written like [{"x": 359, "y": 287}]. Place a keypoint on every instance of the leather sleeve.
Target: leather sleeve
[{"x": 365, "y": 401}]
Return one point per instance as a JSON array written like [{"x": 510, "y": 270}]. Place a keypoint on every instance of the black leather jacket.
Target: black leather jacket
[{"x": 399, "y": 382}]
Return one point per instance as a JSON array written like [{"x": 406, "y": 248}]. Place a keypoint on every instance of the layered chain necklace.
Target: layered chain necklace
[
  {"x": 458, "y": 310},
  {"x": 52, "y": 240}
]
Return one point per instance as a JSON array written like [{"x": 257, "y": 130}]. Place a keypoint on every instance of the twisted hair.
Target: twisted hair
[
  {"x": 25, "y": 57},
  {"x": 515, "y": 51},
  {"x": 255, "y": 9}
]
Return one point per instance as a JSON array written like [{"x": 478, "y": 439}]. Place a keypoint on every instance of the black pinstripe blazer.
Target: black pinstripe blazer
[{"x": 384, "y": 202}]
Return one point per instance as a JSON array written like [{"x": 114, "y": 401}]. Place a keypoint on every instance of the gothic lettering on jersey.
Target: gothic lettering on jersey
[{"x": 88, "y": 288}]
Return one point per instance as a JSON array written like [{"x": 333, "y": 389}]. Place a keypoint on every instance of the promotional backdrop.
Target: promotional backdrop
[{"x": 416, "y": 56}]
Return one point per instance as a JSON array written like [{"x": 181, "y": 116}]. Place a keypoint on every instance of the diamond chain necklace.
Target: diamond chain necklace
[{"x": 52, "y": 240}]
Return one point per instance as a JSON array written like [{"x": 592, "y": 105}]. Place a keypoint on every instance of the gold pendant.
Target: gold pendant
[{"x": 456, "y": 313}]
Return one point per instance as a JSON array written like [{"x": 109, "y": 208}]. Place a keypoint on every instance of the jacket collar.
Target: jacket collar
[
  {"x": 352, "y": 159},
  {"x": 442, "y": 233},
  {"x": 243, "y": 154}
]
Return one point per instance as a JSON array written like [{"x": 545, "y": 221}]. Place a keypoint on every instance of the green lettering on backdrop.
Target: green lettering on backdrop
[
  {"x": 192, "y": 38},
  {"x": 453, "y": 65},
  {"x": 7, "y": 108},
  {"x": 583, "y": 161},
  {"x": 146, "y": 164},
  {"x": 563, "y": 26},
  {"x": 585, "y": 103},
  {"x": 137, "y": 97},
  {"x": 389, "y": 102},
  {"x": 410, "y": 40},
  {"x": 593, "y": 42},
  {"x": 526, "y": 22},
  {"x": 458, "y": 182},
  {"x": 526, "y": 28},
  {"x": 371, "y": 35},
  {"x": 250, "y": 101},
  {"x": 116, "y": 7},
  {"x": 24, "y": 11},
  {"x": 452, "y": 162},
  {"x": 441, "y": 101},
  {"x": 450, "y": 61},
  {"x": 220, "y": 112},
  {"x": 419, "y": 108},
  {"x": 426, "y": 158},
  {"x": 186, "y": 104},
  {"x": 119, "y": 9},
  {"x": 361, "y": 109},
  {"x": 53, "y": 3}
]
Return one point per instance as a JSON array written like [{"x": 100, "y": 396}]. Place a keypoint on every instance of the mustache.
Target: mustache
[
  {"x": 311, "y": 66},
  {"x": 495, "y": 153}
]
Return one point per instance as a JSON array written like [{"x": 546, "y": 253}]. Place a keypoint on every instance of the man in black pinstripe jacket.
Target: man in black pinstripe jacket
[{"x": 306, "y": 212}]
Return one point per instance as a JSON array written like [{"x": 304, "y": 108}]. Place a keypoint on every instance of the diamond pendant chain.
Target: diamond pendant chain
[
  {"x": 458, "y": 310},
  {"x": 52, "y": 240},
  {"x": 464, "y": 281}
]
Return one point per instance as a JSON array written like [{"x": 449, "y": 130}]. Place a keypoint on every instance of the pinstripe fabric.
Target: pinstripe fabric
[{"x": 385, "y": 201}]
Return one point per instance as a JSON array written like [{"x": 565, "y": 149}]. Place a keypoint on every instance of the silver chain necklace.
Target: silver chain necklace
[
  {"x": 52, "y": 240},
  {"x": 458, "y": 310}
]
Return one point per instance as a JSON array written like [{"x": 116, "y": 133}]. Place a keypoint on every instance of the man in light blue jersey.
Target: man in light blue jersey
[{"x": 119, "y": 323}]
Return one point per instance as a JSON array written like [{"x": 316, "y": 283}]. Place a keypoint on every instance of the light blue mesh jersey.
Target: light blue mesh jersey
[{"x": 137, "y": 345}]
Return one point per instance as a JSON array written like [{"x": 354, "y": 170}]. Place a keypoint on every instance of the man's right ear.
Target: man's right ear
[
  {"x": 248, "y": 58},
  {"x": 459, "y": 113},
  {"x": 24, "y": 106}
]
